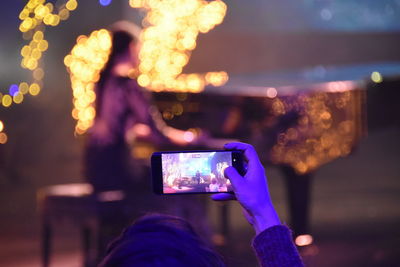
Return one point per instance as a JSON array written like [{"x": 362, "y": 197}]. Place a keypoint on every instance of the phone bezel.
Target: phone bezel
[{"x": 156, "y": 168}]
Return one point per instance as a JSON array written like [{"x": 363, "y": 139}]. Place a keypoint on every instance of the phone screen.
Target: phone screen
[{"x": 195, "y": 172}]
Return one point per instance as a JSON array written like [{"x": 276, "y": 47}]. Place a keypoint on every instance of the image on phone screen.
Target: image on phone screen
[{"x": 195, "y": 172}]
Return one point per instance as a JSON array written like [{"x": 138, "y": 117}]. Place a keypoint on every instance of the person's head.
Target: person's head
[
  {"x": 125, "y": 44},
  {"x": 123, "y": 56},
  {"x": 160, "y": 240}
]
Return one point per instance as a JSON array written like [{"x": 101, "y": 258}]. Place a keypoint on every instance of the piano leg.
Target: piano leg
[{"x": 299, "y": 191}]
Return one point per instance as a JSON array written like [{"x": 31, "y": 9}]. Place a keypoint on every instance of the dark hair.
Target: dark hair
[
  {"x": 123, "y": 33},
  {"x": 160, "y": 240}
]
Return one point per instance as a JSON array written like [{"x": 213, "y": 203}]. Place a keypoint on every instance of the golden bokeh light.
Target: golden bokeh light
[
  {"x": 271, "y": 92},
  {"x": 23, "y": 88},
  {"x": 169, "y": 36},
  {"x": 71, "y": 5},
  {"x": 84, "y": 64},
  {"x": 18, "y": 98},
  {"x": 6, "y": 100},
  {"x": 35, "y": 15},
  {"x": 376, "y": 77},
  {"x": 170, "y": 31},
  {"x": 323, "y": 132},
  {"x": 3, "y": 138},
  {"x": 34, "y": 89}
]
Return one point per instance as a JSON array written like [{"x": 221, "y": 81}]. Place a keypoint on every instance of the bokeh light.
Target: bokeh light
[
  {"x": 3, "y": 138},
  {"x": 84, "y": 63},
  {"x": 169, "y": 36},
  {"x": 35, "y": 16},
  {"x": 13, "y": 90},
  {"x": 328, "y": 126},
  {"x": 105, "y": 2},
  {"x": 271, "y": 92},
  {"x": 170, "y": 31},
  {"x": 303, "y": 240},
  {"x": 376, "y": 77}
]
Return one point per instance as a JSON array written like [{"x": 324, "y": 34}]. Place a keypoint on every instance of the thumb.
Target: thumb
[{"x": 235, "y": 178}]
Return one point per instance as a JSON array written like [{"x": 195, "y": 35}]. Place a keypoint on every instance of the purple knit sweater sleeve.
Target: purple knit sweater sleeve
[{"x": 274, "y": 248}]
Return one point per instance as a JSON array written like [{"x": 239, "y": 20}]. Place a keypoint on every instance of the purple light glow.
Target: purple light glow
[
  {"x": 105, "y": 2},
  {"x": 13, "y": 89}
]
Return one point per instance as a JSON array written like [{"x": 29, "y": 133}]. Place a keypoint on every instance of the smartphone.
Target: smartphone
[{"x": 193, "y": 172}]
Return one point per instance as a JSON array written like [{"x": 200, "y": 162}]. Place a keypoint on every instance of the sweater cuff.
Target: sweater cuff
[{"x": 274, "y": 247}]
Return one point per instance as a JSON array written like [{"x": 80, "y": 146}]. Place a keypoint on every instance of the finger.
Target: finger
[
  {"x": 248, "y": 150},
  {"x": 233, "y": 176},
  {"x": 223, "y": 197}
]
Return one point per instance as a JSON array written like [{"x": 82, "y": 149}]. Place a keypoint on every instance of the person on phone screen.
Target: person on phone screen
[
  {"x": 163, "y": 240},
  {"x": 214, "y": 187}
]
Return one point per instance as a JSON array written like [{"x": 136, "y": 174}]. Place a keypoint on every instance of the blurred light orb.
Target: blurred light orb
[
  {"x": 105, "y": 2},
  {"x": 35, "y": 16},
  {"x": 326, "y": 14},
  {"x": 18, "y": 98},
  {"x": 304, "y": 240},
  {"x": 84, "y": 63},
  {"x": 6, "y": 101},
  {"x": 188, "y": 136},
  {"x": 376, "y": 77},
  {"x": 34, "y": 89},
  {"x": 3, "y": 138},
  {"x": 13, "y": 90},
  {"x": 272, "y": 92},
  {"x": 168, "y": 38}
]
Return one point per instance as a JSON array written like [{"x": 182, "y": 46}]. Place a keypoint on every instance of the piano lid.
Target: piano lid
[{"x": 318, "y": 78}]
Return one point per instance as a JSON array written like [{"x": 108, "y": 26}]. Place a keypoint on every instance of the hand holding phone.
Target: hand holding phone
[
  {"x": 192, "y": 172},
  {"x": 251, "y": 189}
]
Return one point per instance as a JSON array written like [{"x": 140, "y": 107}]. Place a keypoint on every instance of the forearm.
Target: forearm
[
  {"x": 274, "y": 247},
  {"x": 177, "y": 136},
  {"x": 264, "y": 218}
]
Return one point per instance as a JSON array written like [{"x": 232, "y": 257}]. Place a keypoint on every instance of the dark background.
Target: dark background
[{"x": 355, "y": 214}]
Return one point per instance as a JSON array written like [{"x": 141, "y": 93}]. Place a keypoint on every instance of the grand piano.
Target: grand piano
[{"x": 298, "y": 120}]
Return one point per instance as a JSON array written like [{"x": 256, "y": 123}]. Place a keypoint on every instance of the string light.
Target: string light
[
  {"x": 327, "y": 128},
  {"x": 84, "y": 63},
  {"x": 35, "y": 16},
  {"x": 3, "y": 136},
  {"x": 170, "y": 25},
  {"x": 170, "y": 31}
]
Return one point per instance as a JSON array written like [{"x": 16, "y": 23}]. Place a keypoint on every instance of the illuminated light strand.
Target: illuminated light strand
[
  {"x": 169, "y": 37},
  {"x": 3, "y": 136},
  {"x": 84, "y": 63},
  {"x": 35, "y": 16},
  {"x": 326, "y": 129}
]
